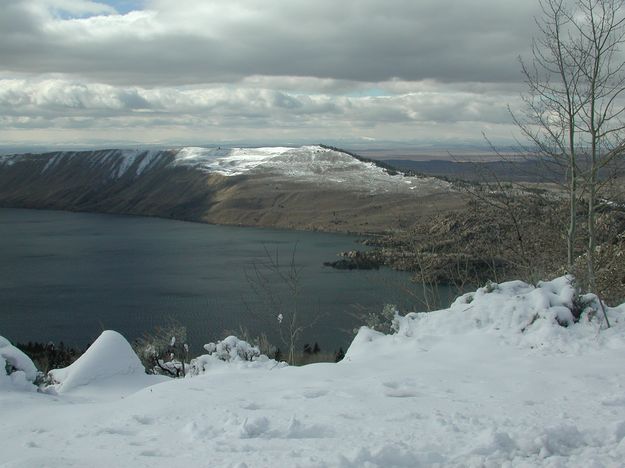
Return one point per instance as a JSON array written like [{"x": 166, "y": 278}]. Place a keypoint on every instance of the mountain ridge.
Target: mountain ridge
[{"x": 309, "y": 187}]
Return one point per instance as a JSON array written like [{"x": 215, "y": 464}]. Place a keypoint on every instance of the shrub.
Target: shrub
[
  {"x": 232, "y": 349},
  {"x": 383, "y": 320},
  {"x": 164, "y": 351}
]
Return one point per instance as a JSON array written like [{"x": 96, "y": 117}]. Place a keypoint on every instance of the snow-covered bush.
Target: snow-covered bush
[
  {"x": 17, "y": 371},
  {"x": 383, "y": 320},
  {"x": 261, "y": 341},
  {"x": 559, "y": 300},
  {"x": 232, "y": 349},
  {"x": 549, "y": 315}
]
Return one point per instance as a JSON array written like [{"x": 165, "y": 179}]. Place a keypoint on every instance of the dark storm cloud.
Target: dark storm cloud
[{"x": 194, "y": 41}]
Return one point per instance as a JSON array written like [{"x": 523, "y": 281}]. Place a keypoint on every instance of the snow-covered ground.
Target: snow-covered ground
[
  {"x": 312, "y": 164},
  {"x": 495, "y": 380}
]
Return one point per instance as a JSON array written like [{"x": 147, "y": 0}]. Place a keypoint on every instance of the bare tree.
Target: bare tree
[
  {"x": 279, "y": 288},
  {"x": 601, "y": 32},
  {"x": 574, "y": 105},
  {"x": 553, "y": 102}
]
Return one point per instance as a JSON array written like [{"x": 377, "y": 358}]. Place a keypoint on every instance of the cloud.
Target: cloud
[
  {"x": 194, "y": 41},
  {"x": 63, "y": 103},
  {"x": 232, "y": 69}
]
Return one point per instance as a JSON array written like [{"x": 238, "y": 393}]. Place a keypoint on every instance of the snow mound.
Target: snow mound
[
  {"x": 551, "y": 316},
  {"x": 22, "y": 370},
  {"x": 110, "y": 357}
]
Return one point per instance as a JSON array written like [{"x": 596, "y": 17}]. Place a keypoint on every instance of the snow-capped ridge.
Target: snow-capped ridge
[
  {"x": 298, "y": 161},
  {"x": 319, "y": 165}
]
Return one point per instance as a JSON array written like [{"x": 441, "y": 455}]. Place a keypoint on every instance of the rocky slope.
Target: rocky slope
[{"x": 311, "y": 187}]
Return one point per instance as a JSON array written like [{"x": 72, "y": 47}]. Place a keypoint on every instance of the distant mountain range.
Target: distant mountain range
[{"x": 506, "y": 170}]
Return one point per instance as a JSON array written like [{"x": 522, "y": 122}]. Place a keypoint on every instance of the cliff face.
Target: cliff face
[
  {"x": 107, "y": 181},
  {"x": 302, "y": 188}
]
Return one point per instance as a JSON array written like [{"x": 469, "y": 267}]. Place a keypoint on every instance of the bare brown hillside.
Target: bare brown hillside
[{"x": 100, "y": 182}]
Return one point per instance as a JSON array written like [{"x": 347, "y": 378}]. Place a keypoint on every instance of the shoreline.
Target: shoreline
[{"x": 369, "y": 234}]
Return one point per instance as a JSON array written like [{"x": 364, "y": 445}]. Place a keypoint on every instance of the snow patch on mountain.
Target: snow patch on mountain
[
  {"x": 148, "y": 161},
  {"x": 8, "y": 159},
  {"x": 117, "y": 162},
  {"x": 141, "y": 160},
  {"x": 312, "y": 164},
  {"x": 228, "y": 161},
  {"x": 305, "y": 161}
]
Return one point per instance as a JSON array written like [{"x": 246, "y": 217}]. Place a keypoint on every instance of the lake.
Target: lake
[{"x": 68, "y": 276}]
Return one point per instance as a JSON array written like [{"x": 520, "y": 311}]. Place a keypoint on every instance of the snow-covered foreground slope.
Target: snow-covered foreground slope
[{"x": 492, "y": 381}]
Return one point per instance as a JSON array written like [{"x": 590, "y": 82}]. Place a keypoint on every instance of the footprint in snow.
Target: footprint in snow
[
  {"x": 151, "y": 453},
  {"x": 115, "y": 431},
  {"x": 251, "y": 406},
  {"x": 307, "y": 393},
  {"x": 614, "y": 402},
  {"x": 253, "y": 428},
  {"x": 200, "y": 430},
  {"x": 314, "y": 393},
  {"x": 297, "y": 430},
  {"x": 145, "y": 420},
  {"x": 400, "y": 390}
]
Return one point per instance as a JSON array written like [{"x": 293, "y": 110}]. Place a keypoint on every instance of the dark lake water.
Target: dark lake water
[{"x": 68, "y": 276}]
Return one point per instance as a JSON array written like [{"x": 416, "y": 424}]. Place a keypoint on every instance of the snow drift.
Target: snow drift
[
  {"x": 109, "y": 360},
  {"x": 17, "y": 371},
  {"x": 551, "y": 315}
]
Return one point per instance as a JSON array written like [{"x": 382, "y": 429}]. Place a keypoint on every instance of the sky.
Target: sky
[{"x": 425, "y": 72}]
